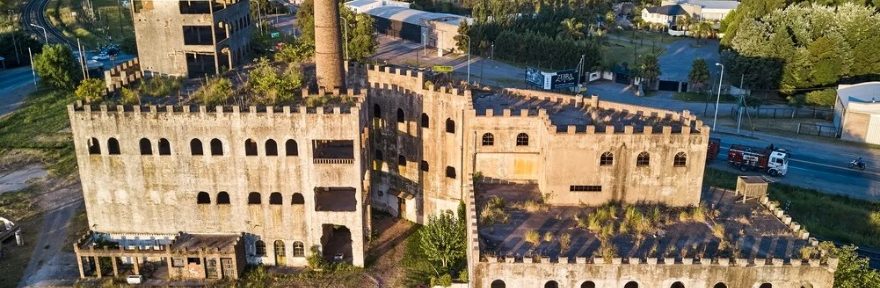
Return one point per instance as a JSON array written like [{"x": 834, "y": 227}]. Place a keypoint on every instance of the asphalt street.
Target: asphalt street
[{"x": 15, "y": 84}]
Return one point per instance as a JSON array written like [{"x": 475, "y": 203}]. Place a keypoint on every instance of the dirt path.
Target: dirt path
[
  {"x": 50, "y": 264},
  {"x": 388, "y": 249}
]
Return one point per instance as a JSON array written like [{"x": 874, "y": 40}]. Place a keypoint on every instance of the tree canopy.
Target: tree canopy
[
  {"x": 360, "y": 42},
  {"x": 90, "y": 90},
  {"x": 699, "y": 74},
  {"x": 56, "y": 67}
]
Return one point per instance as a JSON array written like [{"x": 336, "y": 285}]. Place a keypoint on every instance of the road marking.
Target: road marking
[{"x": 820, "y": 164}]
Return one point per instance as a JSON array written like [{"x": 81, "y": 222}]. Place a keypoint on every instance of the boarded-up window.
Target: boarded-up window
[{"x": 337, "y": 199}]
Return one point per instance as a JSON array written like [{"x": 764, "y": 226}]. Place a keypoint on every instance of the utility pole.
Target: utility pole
[
  {"x": 33, "y": 69},
  {"x": 717, "y": 100},
  {"x": 82, "y": 65}
]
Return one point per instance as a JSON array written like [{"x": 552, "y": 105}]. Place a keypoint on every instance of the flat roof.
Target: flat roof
[
  {"x": 757, "y": 232},
  {"x": 867, "y": 92},
  {"x": 715, "y": 4},
  {"x": 667, "y": 10},
  {"x": 413, "y": 16}
]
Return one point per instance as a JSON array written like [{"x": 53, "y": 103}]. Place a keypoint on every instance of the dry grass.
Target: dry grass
[{"x": 532, "y": 236}]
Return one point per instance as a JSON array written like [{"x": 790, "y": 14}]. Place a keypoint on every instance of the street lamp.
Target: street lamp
[
  {"x": 718, "y": 99},
  {"x": 468, "y": 58},
  {"x": 45, "y": 35}
]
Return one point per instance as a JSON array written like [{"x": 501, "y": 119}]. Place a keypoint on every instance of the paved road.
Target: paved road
[
  {"x": 50, "y": 265},
  {"x": 676, "y": 63},
  {"x": 15, "y": 85}
]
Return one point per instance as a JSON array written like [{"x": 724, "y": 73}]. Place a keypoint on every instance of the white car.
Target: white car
[{"x": 101, "y": 57}]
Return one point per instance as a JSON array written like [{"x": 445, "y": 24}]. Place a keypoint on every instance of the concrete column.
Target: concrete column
[
  {"x": 328, "y": 45},
  {"x": 79, "y": 263},
  {"x": 137, "y": 270},
  {"x": 168, "y": 265},
  {"x": 115, "y": 269},
  {"x": 98, "y": 266}
]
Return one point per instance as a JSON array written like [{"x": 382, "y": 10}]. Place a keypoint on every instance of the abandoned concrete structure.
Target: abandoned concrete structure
[
  {"x": 191, "y": 38},
  {"x": 328, "y": 48}
]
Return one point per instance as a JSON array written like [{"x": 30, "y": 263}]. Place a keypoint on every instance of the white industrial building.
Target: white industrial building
[
  {"x": 395, "y": 18},
  {"x": 857, "y": 112}
]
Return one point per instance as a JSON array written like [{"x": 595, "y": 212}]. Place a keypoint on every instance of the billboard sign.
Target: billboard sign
[
  {"x": 534, "y": 77},
  {"x": 442, "y": 69},
  {"x": 563, "y": 80}
]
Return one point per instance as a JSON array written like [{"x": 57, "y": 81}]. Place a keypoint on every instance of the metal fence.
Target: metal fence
[
  {"x": 817, "y": 130},
  {"x": 789, "y": 112}
]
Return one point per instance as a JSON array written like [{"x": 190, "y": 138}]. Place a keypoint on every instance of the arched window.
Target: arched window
[
  {"x": 271, "y": 148},
  {"x": 450, "y": 172},
  {"x": 164, "y": 147},
  {"x": 588, "y": 284},
  {"x": 426, "y": 122},
  {"x": 498, "y": 284},
  {"x": 450, "y": 126},
  {"x": 401, "y": 160},
  {"x": 203, "y": 198},
  {"x": 680, "y": 160},
  {"x": 551, "y": 284},
  {"x": 424, "y": 166},
  {"x": 298, "y": 249},
  {"x": 522, "y": 139},
  {"x": 275, "y": 198},
  {"x": 195, "y": 147},
  {"x": 260, "y": 247},
  {"x": 400, "y": 116},
  {"x": 378, "y": 156},
  {"x": 377, "y": 111},
  {"x": 720, "y": 285},
  {"x": 290, "y": 147},
  {"x": 677, "y": 284},
  {"x": 250, "y": 147},
  {"x": 94, "y": 146},
  {"x": 488, "y": 139},
  {"x": 222, "y": 197},
  {"x": 113, "y": 146},
  {"x": 146, "y": 147},
  {"x": 607, "y": 159},
  {"x": 643, "y": 159},
  {"x": 254, "y": 198},
  {"x": 298, "y": 199},
  {"x": 766, "y": 285},
  {"x": 216, "y": 147},
  {"x": 631, "y": 284}
]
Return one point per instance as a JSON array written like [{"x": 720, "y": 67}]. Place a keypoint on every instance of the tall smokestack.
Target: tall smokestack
[{"x": 328, "y": 47}]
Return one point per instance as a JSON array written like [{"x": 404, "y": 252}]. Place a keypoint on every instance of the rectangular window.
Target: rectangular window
[
  {"x": 177, "y": 262},
  {"x": 585, "y": 188},
  {"x": 193, "y": 260},
  {"x": 195, "y": 7},
  {"x": 197, "y": 35}
]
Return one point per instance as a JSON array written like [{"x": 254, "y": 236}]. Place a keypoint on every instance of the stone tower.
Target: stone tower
[{"x": 328, "y": 47}]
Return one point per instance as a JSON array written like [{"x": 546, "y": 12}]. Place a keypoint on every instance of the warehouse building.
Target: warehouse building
[
  {"x": 396, "y": 19},
  {"x": 857, "y": 112}
]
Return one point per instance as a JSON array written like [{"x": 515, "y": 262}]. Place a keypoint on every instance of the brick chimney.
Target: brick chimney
[{"x": 328, "y": 45}]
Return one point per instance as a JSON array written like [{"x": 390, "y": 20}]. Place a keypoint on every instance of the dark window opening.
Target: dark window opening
[
  {"x": 400, "y": 116},
  {"x": 607, "y": 159},
  {"x": 222, "y": 197},
  {"x": 290, "y": 148},
  {"x": 275, "y": 198},
  {"x": 94, "y": 146},
  {"x": 216, "y": 147},
  {"x": 335, "y": 199},
  {"x": 333, "y": 149},
  {"x": 720, "y": 285},
  {"x": 195, "y": 147},
  {"x": 195, "y": 7},
  {"x": 197, "y": 35},
  {"x": 585, "y": 188},
  {"x": 260, "y": 247},
  {"x": 113, "y": 146},
  {"x": 220, "y": 32},
  {"x": 254, "y": 198},
  {"x": 203, "y": 198},
  {"x": 498, "y": 284},
  {"x": 644, "y": 159},
  {"x": 424, "y": 166},
  {"x": 200, "y": 64},
  {"x": 377, "y": 111},
  {"x": 164, "y": 147},
  {"x": 401, "y": 160},
  {"x": 680, "y": 160},
  {"x": 271, "y": 148},
  {"x": 588, "y": 284},
  {"x": 450, "y": 172},
  {"x": 450, "y": 126},
  {"x": 193, "y": 260},
  {"x": 146, "y": 147},
  {"x": 335, "y": 241},
  {"x": 250, "y": 147},
  {"x": 298, "y": 199},
  {"x": 766, "y": 285},
  {"x": 677, "y": 285},
  {"x": 379, "y": 156},
  {"x": 299, "y": 249},
  {"x": 631, "y": 284},
  {"x": 522, "y": 139},
  {"x": 426, "y": 122},
  {"x": 488, "y": 139},
  {"x": 551, "y": 284}
]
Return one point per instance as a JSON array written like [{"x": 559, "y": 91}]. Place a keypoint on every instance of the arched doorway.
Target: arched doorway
[
  {"x": 336, "y": 243},
  {"x": 280, "y": 253}
]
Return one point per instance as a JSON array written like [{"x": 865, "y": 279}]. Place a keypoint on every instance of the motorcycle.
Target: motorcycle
[{"x": 857, "y": 164}]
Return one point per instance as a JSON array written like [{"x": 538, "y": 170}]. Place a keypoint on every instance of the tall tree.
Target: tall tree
[
  {"x": 305, "y": 21},
  {"x": 571, "y": 28},
  {"x": 443, "y": 240},
  {"x": 699, "y": 74},
  {"x": 649, "y": 69},
  {"x": 56, "y": 67}
]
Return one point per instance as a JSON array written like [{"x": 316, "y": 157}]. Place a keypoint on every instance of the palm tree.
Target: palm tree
[
  {"x": 701, "y": 30},
  {"x": 682, "y": 22},
  {"x": 572, "y": 28}
]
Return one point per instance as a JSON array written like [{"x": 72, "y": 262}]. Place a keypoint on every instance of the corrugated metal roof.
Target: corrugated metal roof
[{"x": 412, "y": 16}]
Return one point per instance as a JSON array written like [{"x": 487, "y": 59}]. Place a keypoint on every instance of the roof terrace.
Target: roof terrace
[{"x": 513, "y": 222}]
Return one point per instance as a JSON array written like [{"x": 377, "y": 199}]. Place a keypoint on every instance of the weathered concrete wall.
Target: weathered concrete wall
[
  {"x": 155, "y": 193},
  {"x": 570, "y": 275}
]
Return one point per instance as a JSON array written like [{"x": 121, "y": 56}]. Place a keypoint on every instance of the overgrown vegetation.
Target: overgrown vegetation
[
  {"x": 56, "y": 68},
  {"x": 269, "y": 87},
  {"x": 215, "y": 91},
  {"x": 494, "y": 212},
  {"x": 37, "y": 126},
  {"x": 436, "y": 253},
  {"x": 90, "y": 90}
]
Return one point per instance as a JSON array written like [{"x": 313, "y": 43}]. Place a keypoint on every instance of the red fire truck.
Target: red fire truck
[
  {"x": 714, "y": 148},
  {"x": 773, "y": 162}
]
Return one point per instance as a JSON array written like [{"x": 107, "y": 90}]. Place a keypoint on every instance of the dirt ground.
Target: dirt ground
[{"x": 387, "y": 249}]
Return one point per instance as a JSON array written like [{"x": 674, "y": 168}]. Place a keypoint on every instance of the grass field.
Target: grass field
[
  {"x": 38, "y": 127},
  {"x": 625, "y": 46},
  {"x": 699, "y": 97},
  {"x": 828, "y": 217}
]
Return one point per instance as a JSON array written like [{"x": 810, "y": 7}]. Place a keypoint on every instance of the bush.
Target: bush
[
  {"x": 129, "y": 96},
  {"x": 443, "y": 281},
  {"x": 90, "y": 90},
  {"x": 215, "y": 92},
  {"x": 824, "y": 98},
  {"x": 532, "y": 236}
]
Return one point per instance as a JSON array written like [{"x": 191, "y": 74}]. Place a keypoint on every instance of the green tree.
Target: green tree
[
  {"x": 443, "y": 241},
  {"x": 90, "y": 90},
  {"x": 295, "y": 52},
  {"x": 216, "y": 91},
  {"x": 56, "y": 67},
  {"x": 701, "y": 30},
  {"x": 649, "y": 69},
  {"x": 461, "y": 42},
  {"x": 683, "y": 22},
  {"x": 571, "y": 28},
  {"x": 699, "y": 75},
  {"x": 361, "y": 43},
  {"x": 305, "y": 21},
  {"x": 852, "y": 270},
  {"x": 268, "y": 87},
  {"x": 129, "y": 96},
  {"x": 825, "y": 97}
]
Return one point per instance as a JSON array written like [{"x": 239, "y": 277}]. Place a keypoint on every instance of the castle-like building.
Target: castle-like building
[{"x": 200, "y": 192}]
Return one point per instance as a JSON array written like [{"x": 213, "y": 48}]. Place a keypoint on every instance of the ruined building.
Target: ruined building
[
  {"x": 191, "y": 38},
  {"x": 200, "y": 192}
]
